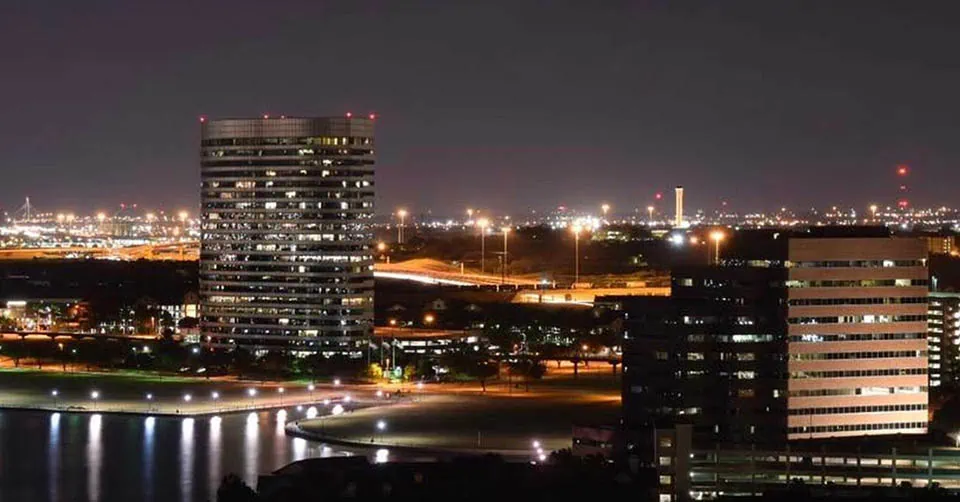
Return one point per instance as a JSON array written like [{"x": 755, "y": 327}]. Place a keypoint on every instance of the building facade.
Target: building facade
[
  {"x": 286, "y": 258},
  {"x": 944, "y": 339},
  {"x": 805, "y": 336}
]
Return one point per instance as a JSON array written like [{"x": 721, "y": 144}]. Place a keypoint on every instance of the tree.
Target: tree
[
  {"x": 528, "y": 369},
  {"x": 233, "y": 489}
]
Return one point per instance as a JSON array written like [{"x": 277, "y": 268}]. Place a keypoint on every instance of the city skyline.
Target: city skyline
[{"x": 565, "y": 106}]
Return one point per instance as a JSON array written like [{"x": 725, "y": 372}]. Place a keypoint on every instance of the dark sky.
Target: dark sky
[{"x": 506, "y": 105}]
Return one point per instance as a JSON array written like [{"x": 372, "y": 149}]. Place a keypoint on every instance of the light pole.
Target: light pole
[
  {"x": 252, "y": 393},
  {"x": 280, "y": 391},
  {"x": 482, "y": 223},
  {"x": 716, "y": 236},
  {"x": 310, "y": 388},
  {"x": 381, "y": 426},
  {"x": 93, "y": 397},
  {"x": 576, "y": 254},
  {"x": 503, "y": 267},
  {"x": 55, "y": 393},
  {"x": 650, "y": 215},
  {"x": 402, "y": 214}
]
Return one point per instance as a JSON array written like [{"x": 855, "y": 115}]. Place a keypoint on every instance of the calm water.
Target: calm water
[{"x": 106, "y": 458}]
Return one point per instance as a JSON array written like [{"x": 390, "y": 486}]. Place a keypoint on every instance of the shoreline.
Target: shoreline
[{"x": 293, "y": 429}]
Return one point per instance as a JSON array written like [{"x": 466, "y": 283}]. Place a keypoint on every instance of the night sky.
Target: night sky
[{"x": 507, "y": 105}]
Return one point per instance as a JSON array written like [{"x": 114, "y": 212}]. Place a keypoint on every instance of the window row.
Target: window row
[
  {"x": 879, "y": 408},
  {"x": 880, "y": 354},
  {"x": 858, "y": 373}
]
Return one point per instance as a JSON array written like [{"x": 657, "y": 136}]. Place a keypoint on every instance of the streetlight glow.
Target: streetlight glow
[
  {"x": 215, "y": 395},
  {"x": 381, "y": 425},
  {"x": 251, "y": 392},
  {"x": 187, "y": 397},
  {"x": 54, "y": 393},
  {"x": 95, "y": 394}
]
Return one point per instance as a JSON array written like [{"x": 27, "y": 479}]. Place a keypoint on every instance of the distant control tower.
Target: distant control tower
[{"x": 678, "y": 218}]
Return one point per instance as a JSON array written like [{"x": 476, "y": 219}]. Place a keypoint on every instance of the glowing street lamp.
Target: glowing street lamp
[
  {"x": 187, "y": 398},
  {"x": 280, "y": 391},
  {"x": 310, "y": 388},
  {"x": 215, "y": 395},
  {"x": 252, "y": 393},
  {"x": 402, "y": 214},
  {"x": 576, "y": 252},
  {"x": 336, "y": 382},
  {"x": 503, "y": 266},
  {"x": 429, "y": 319},
  {"x": 716, "y": 236},
  {"x": 483, "y": 223},
  {"x": 94, "y": 395}
]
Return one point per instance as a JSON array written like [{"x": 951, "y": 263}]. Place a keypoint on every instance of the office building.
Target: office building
[
  {"x": 944, "y": 339},
  {"x": 286, "y": 257},
  {"x": 801, "y": 335}
]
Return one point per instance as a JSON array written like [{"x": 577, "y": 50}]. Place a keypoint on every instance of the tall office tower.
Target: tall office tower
[
  {"x": 678, "y": 209},
  {"x": 800, "y": 335},
  {"x": 286, "y": 259},
  {"x": 944, "y": 339},
  {"x": 857, "y": 321}
]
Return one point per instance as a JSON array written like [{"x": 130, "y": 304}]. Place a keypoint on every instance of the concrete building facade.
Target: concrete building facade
[{"x": 807, "y": 335}]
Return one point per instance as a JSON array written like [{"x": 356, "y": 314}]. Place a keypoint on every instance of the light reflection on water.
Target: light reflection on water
[
  {"x": 94, "y": 456},
  {"x": 123, "y": 458}
]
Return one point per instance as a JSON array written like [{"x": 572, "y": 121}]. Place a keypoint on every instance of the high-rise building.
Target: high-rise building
[
  {"x": 797, "y": 335},
  {"x": 944, "y": 339},
  {"x": 286, "y": 258},
  {"x": 678, "y": 207}
]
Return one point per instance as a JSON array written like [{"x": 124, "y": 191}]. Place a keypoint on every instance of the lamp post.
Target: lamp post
[
  {"x": 280, "y": 391},
  {"x": 482, "y": 223},
  {"x": 402, "y": 214},
  {"x": 716, "y": 236},
  {"x": 503, "y": 267},
  {"x": 311, "y": 387},
  {"x": 93, "y": 397},
  {"x": 252, "y": 393},
  {"x": 576, "y": 254},
  {"x": 56, "y": 400}
]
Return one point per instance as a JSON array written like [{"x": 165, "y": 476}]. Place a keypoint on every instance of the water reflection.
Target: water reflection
[
  {"x": 251, "y": 446},
  {"x": 94, "y": 457},
  {"x": 53, "y": 455},
  {"x": 108, "y": 458},
  {"x": 149, "y": 424},
  {"x": 186, "y": 458},
  {"x": 213, "y": 454}
]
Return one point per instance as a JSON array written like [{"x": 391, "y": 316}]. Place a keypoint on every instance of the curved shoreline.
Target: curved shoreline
[{"x": 294, "y": 429}]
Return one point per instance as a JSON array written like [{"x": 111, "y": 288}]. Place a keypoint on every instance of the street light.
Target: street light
[
  {"x": 215, "y": 395},
  {"x": 428, "y": 319},
  {"x": 716, "y": 236},
  {"x": 94, "y": 395},
  {"x": 402, "y": 214},
  {"x": 280, "y": 390},
  {"x": 483, "y": 223},
  {"x": 252, "y": 393},
  {"x": 576, "y": 251},
  {"x": 336, "y": 382},
  {"x": 650, "y": 210},
  {"x": 503, "y": 267},
  {"x": 310, "y": 388},
  {"x": 187, "y": 398}
]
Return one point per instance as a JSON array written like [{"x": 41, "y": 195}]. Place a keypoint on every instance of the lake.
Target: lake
[{"x": 105, "y": 458}]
